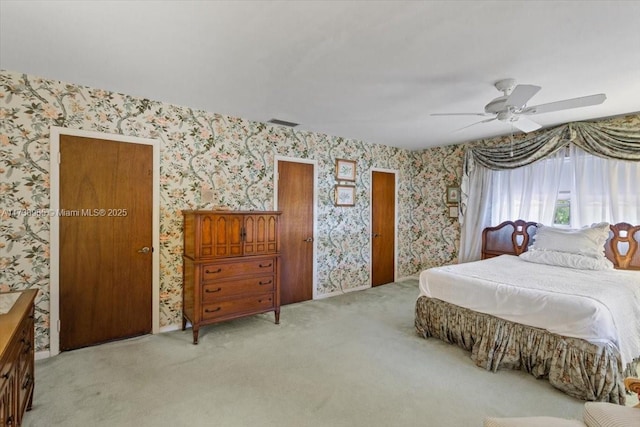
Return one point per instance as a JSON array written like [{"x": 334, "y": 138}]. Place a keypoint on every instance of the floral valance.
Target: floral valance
[
  {"x": 599, "y": 139},
  {"x": 615, "y": 139}
]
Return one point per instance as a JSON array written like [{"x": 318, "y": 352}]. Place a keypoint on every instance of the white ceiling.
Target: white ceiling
[{"x": 372, "y": 71}]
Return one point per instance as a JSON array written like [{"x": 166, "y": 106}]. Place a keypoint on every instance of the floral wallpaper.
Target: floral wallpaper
[{"x": 232, "y": 157}]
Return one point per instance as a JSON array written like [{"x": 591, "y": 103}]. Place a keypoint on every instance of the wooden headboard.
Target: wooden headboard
[{"x": 515, "y": 237}]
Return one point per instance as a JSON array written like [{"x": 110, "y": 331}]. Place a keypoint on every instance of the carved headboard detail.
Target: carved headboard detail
[
  {"x": 622, "y": 246},
  {"x": 514, "y": 237}
]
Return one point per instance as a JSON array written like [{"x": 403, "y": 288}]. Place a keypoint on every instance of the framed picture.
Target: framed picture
[
  {"x": 345, "y": 195},
  {"x": 345, "y": 170},
  {"x": 453, "y": 211},
  {"x": 453, "y": 195}
]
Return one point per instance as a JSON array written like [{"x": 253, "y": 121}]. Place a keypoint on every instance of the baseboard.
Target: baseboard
[
  {"x": 413, "y": 277},
  {"x": 361, "y": 288},
  {"x": 171, "y": 328},
  {"x": 342, "y": 292}
]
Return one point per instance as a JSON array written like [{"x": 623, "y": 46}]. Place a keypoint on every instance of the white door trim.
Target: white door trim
[
  {"x": 395, "y": 222},
  {"x": 54, "y": 281},
  {"x": 279, "y": 158}
]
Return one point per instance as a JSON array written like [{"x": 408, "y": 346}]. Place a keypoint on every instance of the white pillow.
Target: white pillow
[
  {"x": 566, "y": 259},
  {"x": 588, "y": 241},
  {"x": 602, "y": 414}
]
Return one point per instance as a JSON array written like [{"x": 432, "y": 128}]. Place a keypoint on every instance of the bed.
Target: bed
[{"x": 576, "y": 322}]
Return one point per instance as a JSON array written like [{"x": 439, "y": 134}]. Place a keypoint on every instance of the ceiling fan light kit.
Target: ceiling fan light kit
[{"x": 512, "y": 108}]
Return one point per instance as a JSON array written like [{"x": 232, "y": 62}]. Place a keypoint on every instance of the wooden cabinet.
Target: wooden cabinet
[
  {"x": 17, "y": 355},
  {"x": 231, "y": 266}
]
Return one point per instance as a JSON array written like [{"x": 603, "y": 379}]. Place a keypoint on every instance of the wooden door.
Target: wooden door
[
  {"x": 105, "y": 240},
  {"x": 383, "y": 216},
  {"x": 295, "y": 201}
]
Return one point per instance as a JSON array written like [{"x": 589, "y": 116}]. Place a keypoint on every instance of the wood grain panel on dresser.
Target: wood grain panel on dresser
[
  {"x": 231, "y": 266},
  {"x": 16, "y": 356}
]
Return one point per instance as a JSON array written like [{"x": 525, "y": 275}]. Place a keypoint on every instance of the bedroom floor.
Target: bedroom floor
[{"x": 351, "y": 360}]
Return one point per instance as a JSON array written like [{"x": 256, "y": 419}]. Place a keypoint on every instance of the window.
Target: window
[
  {"x": 562, "y": 211},
  {"x": 569, "y": 189}
]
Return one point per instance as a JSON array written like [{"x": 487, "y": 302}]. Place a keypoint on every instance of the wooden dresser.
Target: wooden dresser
[
  {"x": 17, "y": 355},
  {"x": 231, "y": 266}
]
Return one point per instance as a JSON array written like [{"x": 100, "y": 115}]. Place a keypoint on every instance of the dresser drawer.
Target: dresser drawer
[
  {"x": 249, "y": 285},
  {"x": 231, "y": 269},
  {"x": 25, "y": 344},
  {"x": 25, "y": 357},
  {"x": 25, "y": 388},
  {"x": 5, "y": 370},
  {"x": 232, "y": 307}
]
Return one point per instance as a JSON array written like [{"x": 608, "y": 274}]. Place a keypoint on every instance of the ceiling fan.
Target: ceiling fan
[{"x": 512, "y": 108}]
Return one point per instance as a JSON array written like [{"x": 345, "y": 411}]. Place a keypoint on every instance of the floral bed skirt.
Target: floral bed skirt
[{"x": 580, "y": 369}]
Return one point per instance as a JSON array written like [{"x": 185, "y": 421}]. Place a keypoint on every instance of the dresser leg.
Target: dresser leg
[
  {"x": 195, "y": 334},
  {"x": 277, "y": 313},
  {"x": 30, "y": 403},
  {"x": 184, "y": 323}
]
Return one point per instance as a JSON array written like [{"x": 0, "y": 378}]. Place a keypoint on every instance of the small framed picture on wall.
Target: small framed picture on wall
[
  {"x": 345, "y": 170},
  {"x": 453, "y": 195},
  {"x": 345, "y": 195}
]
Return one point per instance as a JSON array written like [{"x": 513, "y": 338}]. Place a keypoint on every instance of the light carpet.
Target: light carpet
[{"x": 350, "y": 360}]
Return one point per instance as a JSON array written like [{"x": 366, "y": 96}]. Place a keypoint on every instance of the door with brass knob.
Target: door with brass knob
[{"x": 105, "y": 261}]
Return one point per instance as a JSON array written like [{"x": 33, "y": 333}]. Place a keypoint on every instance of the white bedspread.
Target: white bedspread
[{"x": 597, "y": 306}]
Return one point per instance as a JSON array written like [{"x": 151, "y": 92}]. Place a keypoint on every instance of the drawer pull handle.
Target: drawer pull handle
[
  {"x": 267, "y": 300},
  {"x": 265, "y": 283},
  {"x": 210, "y": 291},
  {"x": 213, "y": 272},
  {"x": 206, "y": 310},
  {"x": 265, "y": 266}
]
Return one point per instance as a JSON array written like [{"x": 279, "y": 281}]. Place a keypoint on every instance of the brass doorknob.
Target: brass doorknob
[
  {"x": 309, "y": 239},
  {"x": 144, "y": 250}
]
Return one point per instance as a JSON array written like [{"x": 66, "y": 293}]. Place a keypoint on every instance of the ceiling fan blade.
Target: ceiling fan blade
[
  {"x": 477, "y": 123},
  {"x": 525, "y": 124},
  {"x": 583, "y": 101},
  {"x": 458, "y": 114},
  {"x": 521, "y": 94}
]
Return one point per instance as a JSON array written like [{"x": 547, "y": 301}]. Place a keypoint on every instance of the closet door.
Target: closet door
[
  {"x": 105, "y": 240},
  {"x": 295, "y": 201},
  {"x": 383, "y": 220}
]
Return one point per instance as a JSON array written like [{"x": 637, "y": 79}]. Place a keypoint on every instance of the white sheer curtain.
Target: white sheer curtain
[
  {"x": 603, "y": 189},
  {"x": 478, "y": 198},
  {"x": 617, "y": 184},
  {"x": 493, "y": 196},
  {"x": 529, "y": 192}
]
